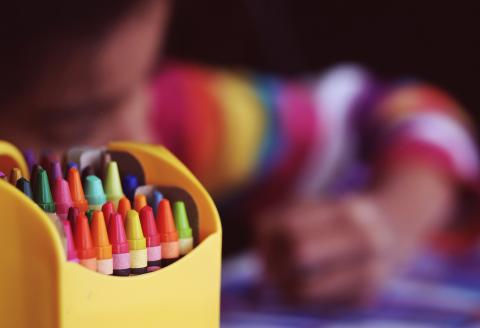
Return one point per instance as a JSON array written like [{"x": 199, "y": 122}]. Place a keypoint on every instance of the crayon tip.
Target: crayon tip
[
  {"x": 130, "y": 183},
  {"x": 181, "y": 220},
  {"x": 76, "y": 190},
  {"x": 100, "y": 236},
  {"x": 42, "y": 193},
  {"x": 15, "y": 175},
  {"x": 135, "y": 237},
  {"x": 117, "y": 235},
  {"x": 62, "y": 197},
  {"x": 55, "y": 172},
  {"x": 149, "y": 227},
  {"x": 123, "y": 207},
  {"x": 157, "y": 198},
  {"x": 94, "y": 192},
  {"x": 72, "y": 217},
  {"x": 71, "y": 164},
  {"x": 165, "y": 222},
  {"x": 83, "y": 238},
  {"x": 113, "y": 185},
  {"x": 71, "y": 251},
  {"x": 140, "y": 202},
  {"x": 107, "y": 210},
  {"x": 24, "y": 186}
]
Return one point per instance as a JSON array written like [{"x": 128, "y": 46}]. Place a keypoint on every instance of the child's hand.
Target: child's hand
[
  {"x": 343, "y": 251},
  {"x": 326, "y": 252}
]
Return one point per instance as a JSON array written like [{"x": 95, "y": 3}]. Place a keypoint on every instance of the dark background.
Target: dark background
[{"x": 433, "y": 41}]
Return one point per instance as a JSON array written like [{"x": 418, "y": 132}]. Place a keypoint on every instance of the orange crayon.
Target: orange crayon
[
  {"x": 103, "y": 248},
  {"x": 123, "y": 207},
  {"x": 84, "y": 243},
  {"x": 76, "y": 190},
  {"x": 168, "y": 233},
  {"x": 140, "y": 202}
]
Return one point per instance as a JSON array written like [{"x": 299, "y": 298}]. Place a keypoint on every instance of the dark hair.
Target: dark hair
[{"x": 31, "y": 30}]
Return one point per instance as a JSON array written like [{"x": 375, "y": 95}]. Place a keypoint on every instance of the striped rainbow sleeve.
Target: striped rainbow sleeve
[{"x": 418, "y": 122}]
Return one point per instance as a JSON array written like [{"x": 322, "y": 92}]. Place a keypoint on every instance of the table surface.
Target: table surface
[{"x": 436, "y": 290}]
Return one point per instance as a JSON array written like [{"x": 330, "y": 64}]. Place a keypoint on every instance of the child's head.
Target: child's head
[{"x": 75, "y": 71}]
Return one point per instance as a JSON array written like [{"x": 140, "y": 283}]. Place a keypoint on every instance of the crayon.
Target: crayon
[
  {"x": 42, "y": 192},
  {"x": 55, "y": 172},
  {"x": 140, "y": 202},
  {"x": 29, "y": 156},
  {"x": 107, "y": 210},
  {"x": 136, "y": 243},
  {"x": 84, "y": 244},
  {"x": 42, "y": 195},
  {"x": 86, "y": 172},
  {"x": 15, "y": 174},
  {"x": 156, "y": 199},
  {"x": 76, "y": 190},
  {"x": 112, "y": 184},
  {"x": 154, "y": 248},
  {"x": 168, "y": 233},
  {"x": 73, "y": 213},
  {"x": 185, "y": 238},
  {"x": 130, "y": 183},
  {"x": 2, "y": 176},
  {"x": 24, "y": 186},
  {"x": 123, "y": 207},
  {"x": 71, "y": 250},
  {"x": 62, "y": 197},
  {"x": 120, "y": 247},
  {"x": 70, "y": 165},
  {"x": 94, "y": 193},
  {"x": 103, "y": 248}
]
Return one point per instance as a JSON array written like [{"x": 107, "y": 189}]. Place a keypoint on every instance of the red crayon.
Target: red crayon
[
  {"x": 107, "y": 210},
  {"x": 120, "y": 248},
  {"x": 83, "y": 242},
  {"x": 62, "y": 198},
  {"x": 71, "y": 251},
  {"x": 154, "y": 248}
]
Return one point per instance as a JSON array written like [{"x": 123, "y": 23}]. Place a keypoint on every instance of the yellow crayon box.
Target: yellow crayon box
[{"x": 39, "y": 288}]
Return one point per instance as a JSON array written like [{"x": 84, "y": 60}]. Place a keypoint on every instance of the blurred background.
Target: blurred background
[{"x": 430, "y": 40}]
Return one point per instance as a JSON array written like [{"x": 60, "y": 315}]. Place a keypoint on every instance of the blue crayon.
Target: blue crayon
[
  {"x": 130, "y": 184},
  {"x": 156, "y": 199}
]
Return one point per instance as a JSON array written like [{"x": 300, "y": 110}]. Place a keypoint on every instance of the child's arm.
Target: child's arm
[{"x": 344, "y": 250}]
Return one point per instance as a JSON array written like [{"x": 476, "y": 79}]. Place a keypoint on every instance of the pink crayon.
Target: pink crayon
[
  {"x": 71, "y": 250},
  {"x": 62, "y": 198}
]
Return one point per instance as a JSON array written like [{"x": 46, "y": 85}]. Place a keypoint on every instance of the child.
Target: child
[{"x": 78, "y": 73}]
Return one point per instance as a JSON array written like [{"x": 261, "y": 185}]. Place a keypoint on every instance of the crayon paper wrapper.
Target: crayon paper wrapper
[
  {"x": 154, "y": 253},
  {"x": 170, "y": 250},
  {"x": 185, "y": 245},
  {"x": 105, "y": 266},
  {"x": 121, "y": 261},
  {"x": 138, "y": 258},
  {"x": 90, "y": 264}
]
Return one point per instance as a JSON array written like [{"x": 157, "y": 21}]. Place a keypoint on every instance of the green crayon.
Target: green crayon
[{"x": 185, "y": 237}]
